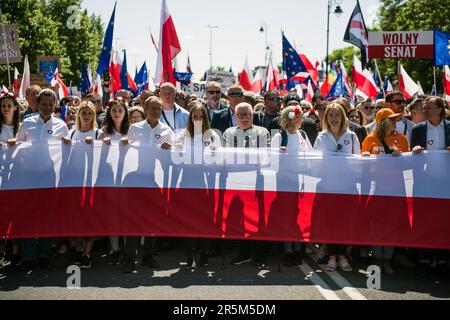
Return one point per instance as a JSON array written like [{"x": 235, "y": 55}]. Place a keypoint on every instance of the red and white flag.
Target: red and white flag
[
  {"x": 272, "y": 81},
  {"x": 57, "y": 81},
  {"x": 407, "y": 86},
  {"x": 25, "y": 79},
  {"x": 447, "y": 83},
  {"x": 16, "y": 81},
  {"x": 309, "y": 92},
  {"x": 246, "y": 77},
  {"x": 114, "y": 70},
  {"x": 169, "y": 47},
  {"x": 365, "y": 85},
  {"x": 312, "y": 68}
]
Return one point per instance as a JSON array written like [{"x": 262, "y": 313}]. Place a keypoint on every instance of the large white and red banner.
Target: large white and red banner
[
  {"x": 56, "y": 190},
  {"x": 401, "y": 45}
]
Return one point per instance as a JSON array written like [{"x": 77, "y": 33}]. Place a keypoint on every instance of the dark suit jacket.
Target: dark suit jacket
[
  {"x": 308, "y": 125},
  {"x": 222, "y": 120},
  {"x": 360, "y": 131},
  {"x": 220, "y": 107},
  {"x": 419, "y": 134}
]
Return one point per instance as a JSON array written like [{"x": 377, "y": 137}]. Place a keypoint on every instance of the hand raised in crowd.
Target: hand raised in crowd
[
  {"x": 88, "y": 140},
  {"x": 66, "y": 140},
  {"x": 166, "y": 146},
  {"x": 418, "y": 149}
]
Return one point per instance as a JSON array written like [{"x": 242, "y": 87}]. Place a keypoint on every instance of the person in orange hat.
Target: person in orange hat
[{"x": 385, "y": 139}]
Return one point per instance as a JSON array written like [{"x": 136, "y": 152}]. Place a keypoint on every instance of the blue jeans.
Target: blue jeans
[
  {"x": 383, "y": 252},
  {"x": 36, "y": 248}
]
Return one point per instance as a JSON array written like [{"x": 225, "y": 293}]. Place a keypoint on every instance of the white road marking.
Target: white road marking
[
  {"x": 319, "y": 284},
  {"x": 341, "y": 282}
]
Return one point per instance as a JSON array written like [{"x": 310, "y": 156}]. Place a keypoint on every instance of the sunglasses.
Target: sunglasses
[
  {"x": 339, "y": 147},
  {"x": 274, "y": 99},
  {"x": 235, "y": 94},
  {"x": 214, "y": 92},
  {"x": 370, "y": 107},
  {"x": 398, "y": 101}
]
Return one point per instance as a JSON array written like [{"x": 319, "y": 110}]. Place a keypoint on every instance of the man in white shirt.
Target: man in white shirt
[
  {"x": 40, "y": 127},
  {"x": 157, "y": 134},
  {"x": 172, "y": 114},
  {"x": 152, "y": 130}
]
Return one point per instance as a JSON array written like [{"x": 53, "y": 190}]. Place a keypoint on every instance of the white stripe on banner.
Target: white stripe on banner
[{"x": 42, "y": 165}]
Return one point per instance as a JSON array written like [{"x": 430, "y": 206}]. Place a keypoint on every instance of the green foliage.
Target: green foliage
[{"x": 43, "y": 31}]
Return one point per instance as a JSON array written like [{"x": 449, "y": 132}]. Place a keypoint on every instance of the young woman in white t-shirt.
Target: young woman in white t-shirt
[
  {"x": 9, "y": 116},
  {"x": 292, "y": 139},
  {"x": 116, "y": 124},
  {"x": 9, "y": 125},
  {"x": 337, "y": 137},
  {"x": 197, "y": 137},
  {"x": 85, "y": 130}
]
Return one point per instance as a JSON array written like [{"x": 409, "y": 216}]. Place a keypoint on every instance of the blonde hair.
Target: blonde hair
[
  {"x": 344, "y": 122},
  {"x": 285, "y": 121},
  {"x": 86, "y": 105}
]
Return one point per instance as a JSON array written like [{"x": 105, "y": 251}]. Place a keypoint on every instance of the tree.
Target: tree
[{"x": 43, "y": 31}]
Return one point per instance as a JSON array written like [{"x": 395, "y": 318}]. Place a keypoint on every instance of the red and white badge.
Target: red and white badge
[
  {"x": 396, "y": 141},
  {"x": 430, "y": 142},
  {"x": 346, "y": 142},
  {"x": 50, "y": 131}
]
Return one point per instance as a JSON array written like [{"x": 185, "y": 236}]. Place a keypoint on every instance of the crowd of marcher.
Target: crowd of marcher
[{"x": 168, "y": 118}]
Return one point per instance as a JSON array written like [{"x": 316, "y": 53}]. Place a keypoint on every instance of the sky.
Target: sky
[{"x": 238, "y": 34}]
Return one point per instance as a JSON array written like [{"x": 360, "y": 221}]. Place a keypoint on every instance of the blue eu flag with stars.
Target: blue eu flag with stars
[
  {"x": 441, "y": 48},
  {"x": 292, "y": 64}
]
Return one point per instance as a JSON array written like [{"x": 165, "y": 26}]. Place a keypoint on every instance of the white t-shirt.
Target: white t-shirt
[
  {"x": 78, "y": 135},
  {"x": 115, "y": 136},
  {"x": 208, "y": 139},
  {"x": 34, "y": 129},
  {"x": 296, "y": 142},
  {"x": 348, "y": 141},
  {"x": 7, "y": 133},
  {"x": 170, "y": 117},
  {"x": 144, "y": 133}
]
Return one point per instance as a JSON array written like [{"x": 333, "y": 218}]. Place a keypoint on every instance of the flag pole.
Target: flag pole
[
  {"x": 6, "y": 47},
  {"x": 434, "y": 79},
  {"x": 379, "y": 76},
  {"x": 398, "y": 73}
]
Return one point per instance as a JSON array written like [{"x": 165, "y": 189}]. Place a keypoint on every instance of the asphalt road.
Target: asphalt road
[{"x": 219, "y": 281}]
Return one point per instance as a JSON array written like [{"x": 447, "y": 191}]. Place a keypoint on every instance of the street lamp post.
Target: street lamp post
[
  {"x": 264, "y": 29},
  {"x": 210, "y": 44},
  {"x": 337, "y": 11}
]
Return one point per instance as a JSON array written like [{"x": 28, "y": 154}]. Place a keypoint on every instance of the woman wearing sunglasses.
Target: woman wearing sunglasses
[{"x": 337, "y": 137}]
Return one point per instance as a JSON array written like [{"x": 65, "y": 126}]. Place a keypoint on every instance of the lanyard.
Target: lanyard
[{"x": 174, "y": 122}]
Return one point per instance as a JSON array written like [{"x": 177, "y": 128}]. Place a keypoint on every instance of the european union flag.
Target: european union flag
[
  {"x": 441, "y": 48},
  {"x": 85, "y": 83},
  {"x": 141, "y": 79},
  {"x": 183, "y": 77},
  {"x": 49, "y": 76},
  {"x": 338, "y": 88},
  {"x": 292, "y": 64},
  {"x": 105, "y": 56}
]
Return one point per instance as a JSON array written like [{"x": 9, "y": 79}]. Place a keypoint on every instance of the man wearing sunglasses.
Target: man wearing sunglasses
[
  {"x": 225, "y": 118},
  {"x": 272, "y": 102},
  {"x": 395, "y": 101},
  {"x": 213, "y": 95}
]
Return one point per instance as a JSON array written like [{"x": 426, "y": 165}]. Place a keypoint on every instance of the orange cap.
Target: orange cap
[{"x": 386, "y": 113}]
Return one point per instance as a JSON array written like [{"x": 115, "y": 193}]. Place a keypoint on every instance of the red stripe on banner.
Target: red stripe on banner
[{"x": 232, "y": 214}]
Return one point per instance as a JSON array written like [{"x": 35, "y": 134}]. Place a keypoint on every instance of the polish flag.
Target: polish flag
[
  {"x": 447, "y": 83},
  {"x": 272, "y": 78},
  {"x": 309, "y": 92},
  {"x": 16, "y": 80},
  {"x": 114, "y": 70},
  {"x": 257, "y": 83},
  {"x": 246, "y": 77},
  {"x": 25, "y": 79},
  {"x": 169, "y": 47},
  {"x": 97, "y": 85},
  {"x": 57, "y": 81},
  {"x": 365, "y": 85},
  {"x": 407, "y": 85}
]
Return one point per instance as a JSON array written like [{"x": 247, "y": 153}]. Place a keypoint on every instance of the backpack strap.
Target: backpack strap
[
  {"x": 96, "y": 134},
  {"x": 353, "y": 144},
  {"x": 71, "y": 136},
  {"x": 387, "y": 150},
  {"x": 284, "y": 138}
]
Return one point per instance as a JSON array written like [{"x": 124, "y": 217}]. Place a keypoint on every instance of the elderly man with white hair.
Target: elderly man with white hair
[{"x": 246, "y": 134}]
